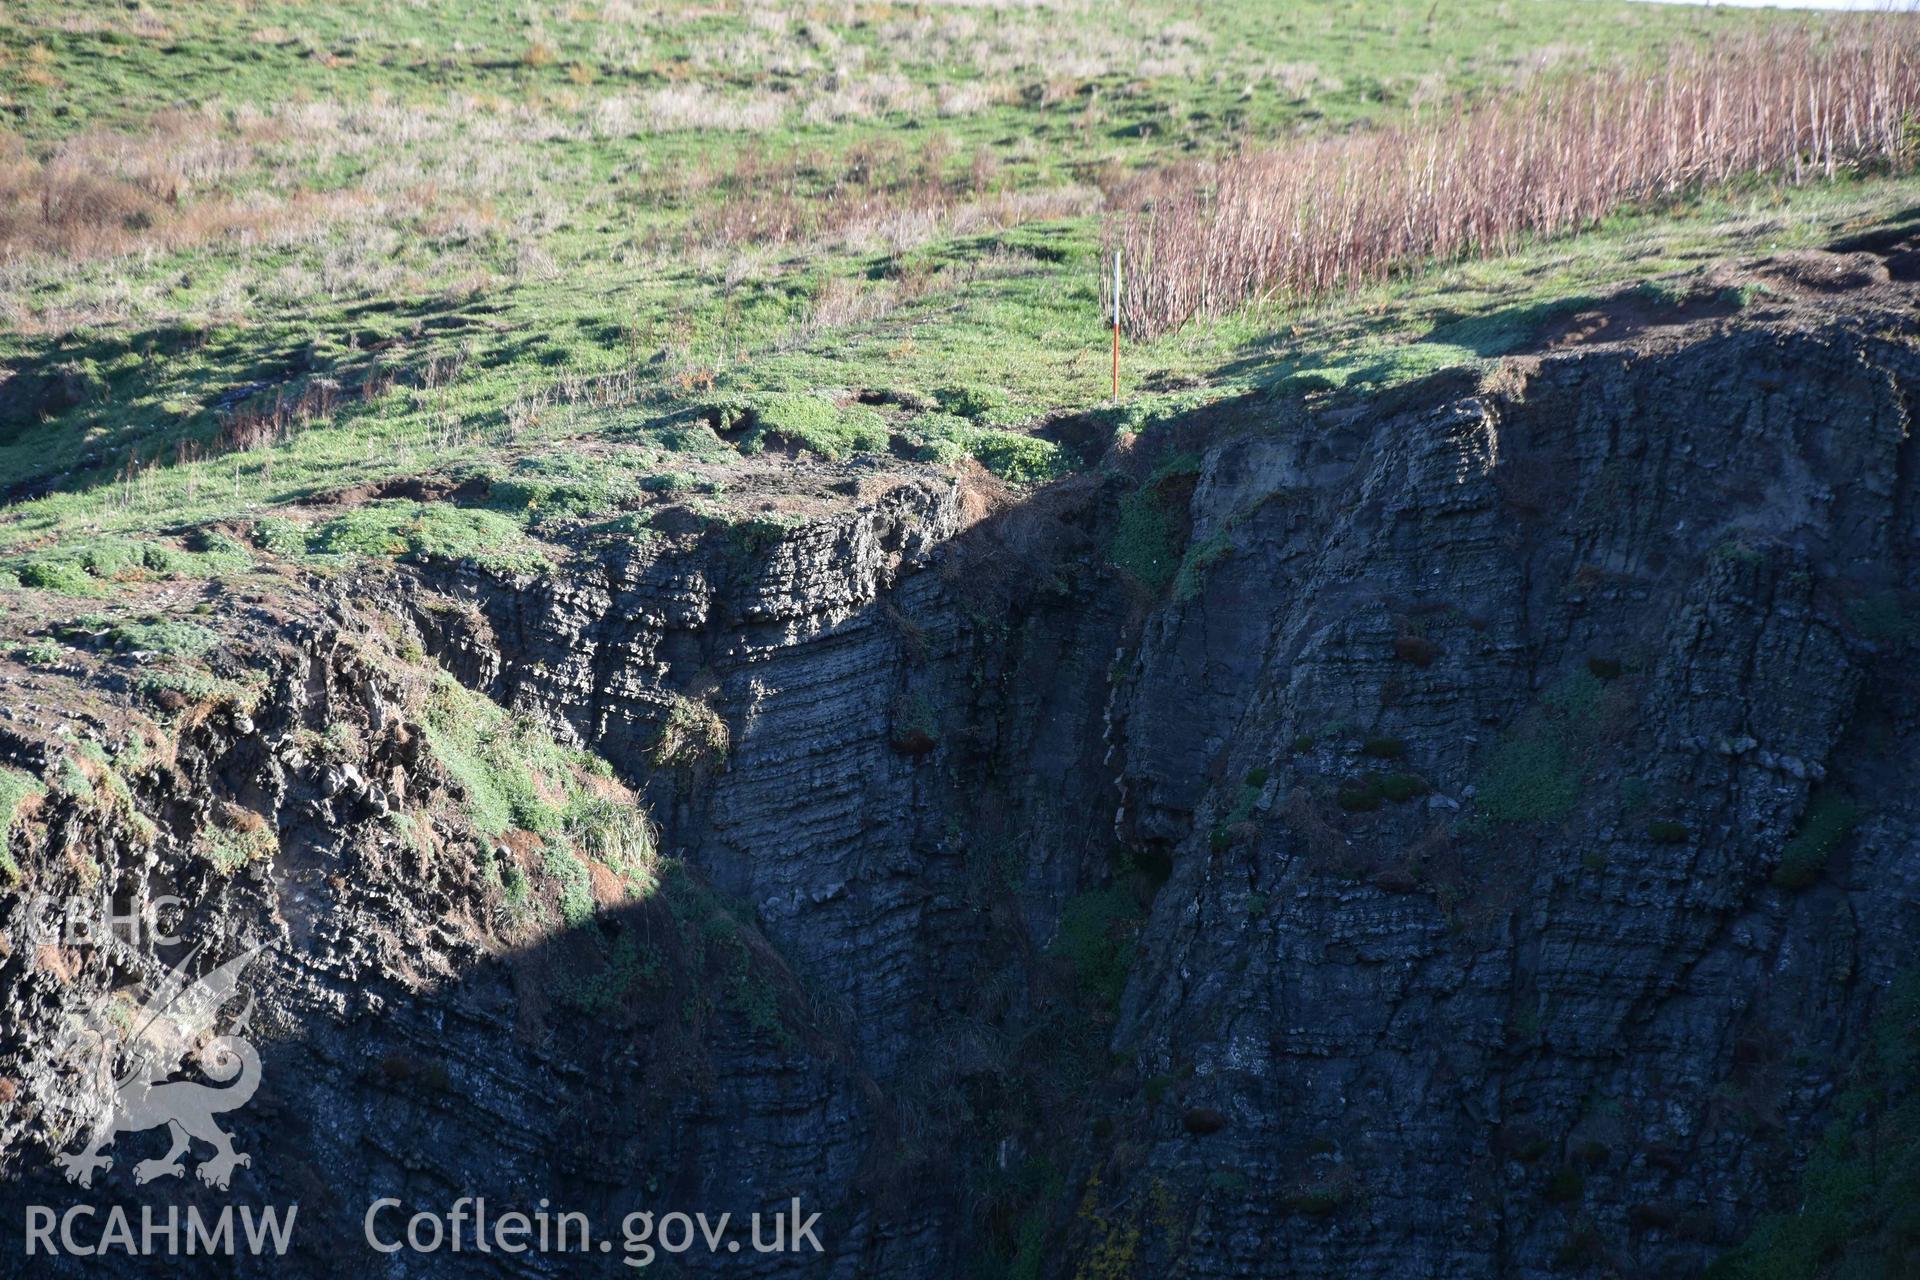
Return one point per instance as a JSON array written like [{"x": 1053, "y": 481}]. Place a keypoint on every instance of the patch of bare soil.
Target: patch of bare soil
[
  {"x": 428, "y": 487},
  {"x": 1818, "y": 272},
  {"x": 1631, "y": 314},
  {"x": 1872, "y": 272}
]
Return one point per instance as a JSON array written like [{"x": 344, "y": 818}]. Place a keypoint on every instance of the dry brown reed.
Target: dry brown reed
[{"x": 1552, "y": 156}]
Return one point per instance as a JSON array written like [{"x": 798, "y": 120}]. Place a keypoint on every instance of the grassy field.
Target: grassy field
[{"x": 251, "y": 251}]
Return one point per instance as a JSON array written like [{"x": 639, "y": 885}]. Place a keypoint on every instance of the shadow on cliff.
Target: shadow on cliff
[
  {"x": 663, "y": 1055},
  {"x": 659, "y": 1057}
]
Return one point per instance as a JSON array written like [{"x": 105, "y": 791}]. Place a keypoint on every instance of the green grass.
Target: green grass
[
  {"x": 1351, "y": 58},
  {"x": 1830, "y": 818},
  {"x": 153, "y": 635},
  {"x": 1534, "y": 773},
  {"x": 231, "y": 850},
  {"x": 1667, "y": 831},
  {"x": 91, "y": 566},
  {"x": 512, "y": 776},
  {"x": 630, "y": 966},
  {"x": 1026, "y": 323},
  {"x": 545, "y": 487},
  {"x": 1199, "y": 561},
  {"x": 429, "y": 531},
  {"x": 691, "y": 735},
  {"x": 1096, "y": 935},
  {"x": 1022, "y": 459},
  {"x": 1401, "y": 787},
  {"x": 570, "y": 875},
  {"x": 1528, "y": 780},
  {"x": 1885, "y": 617},
  {"x": 1146, "y": 545},
  {"x": 1857, "y": 1212},
  {"x": 810, "y": 421},
  {"x": 192, "y": 683},
  {"x": 1365, "y": 793},
  {"x": 561, "y": 282},
  {"x": 17, "y": 792}
]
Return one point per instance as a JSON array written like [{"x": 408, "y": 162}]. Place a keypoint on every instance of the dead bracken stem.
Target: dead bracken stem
[{"x": 1553, "y": 156}]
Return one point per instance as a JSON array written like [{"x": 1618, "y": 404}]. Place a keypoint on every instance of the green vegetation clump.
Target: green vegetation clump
[
  {"x": 678, "y": 482},
  {"x": 1146, "y": 541},
  {"x": 280, "y": 535},
  {"x": 191, "y": 683},
  {"x": 18, "y": 794},
  {"x": 1149, "y": 536},
  {"x": 1015, "y": 458},
  {"x": 1534, "y": 772},
  {"x": 1857, "y": 1211},
  {"x": 1566, "y": 1185},
  {"x": 981, "y": 404},
  {"x": 1885, "y": 617},
  {"x": 809, "y": 421},
  {"x": 616, "y": 835},
  {"x": 235, "y": 838},
  {"x": 37, "y": 653},
  {"x": 515, "y": 887},
  {"x": 565, "y": 870},
  {"x": 755, "y": 998},
  {"x": 90, "y": 566},
  {"x": 689, "y": 437},
  {"x": 1401, "y": 787},
  {"x": 1018, "y": 459},
  {"x": 68, "y": 577},
  {"x": 1097, "y": 929},
  {"x": 1635, "y": 795},
  {"x": 151, "y": 634},
  {"x": 1365, "y": 792},
  {"x": 508, "y": 771},
  {"x": 1359, "y": 795},
  {"x": 1323, "y": 1196},
  {"x": 630, "y": 965},
  {"x": 1199, "y": 560},
  {"x": 914, "y": 726},
  {"x": 1528, "y": 779},
  {"x": 692, "y": 734},
  {"x": 561, "y": 486},
  {"x": 429, "y": 531},
  {"x": 208, "y": 551},
  {"x": 512, "y": 776},
  {"x": 1831, "y": 816}
]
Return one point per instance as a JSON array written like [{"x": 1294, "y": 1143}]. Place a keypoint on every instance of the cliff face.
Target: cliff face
[
  {"x": 1430, "y": 877},
  {"x": 1570, "y": 1004}
]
